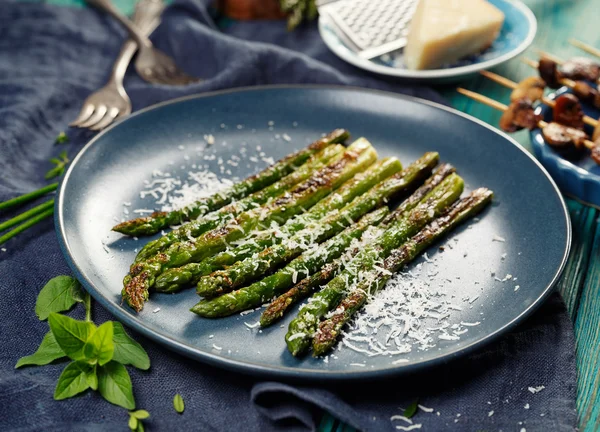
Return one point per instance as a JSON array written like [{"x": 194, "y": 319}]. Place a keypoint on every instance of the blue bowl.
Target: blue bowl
[{"x": 578, "y": 178}]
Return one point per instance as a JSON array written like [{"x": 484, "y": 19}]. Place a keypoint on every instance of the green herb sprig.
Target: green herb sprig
[
  {"x": 298, "y": 10},
  {"x": 61, "y": 138},
  {"x": 37, "y": 214},
  {"x": 98, "y": 354},
  {"x": 60, "y": 164}
]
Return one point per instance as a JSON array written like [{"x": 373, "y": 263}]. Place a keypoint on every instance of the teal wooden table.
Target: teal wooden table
[{"x": 558, "y": 20}]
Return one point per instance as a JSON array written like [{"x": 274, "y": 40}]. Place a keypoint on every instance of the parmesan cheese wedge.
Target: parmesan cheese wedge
[{"x": 443, "y": 31}]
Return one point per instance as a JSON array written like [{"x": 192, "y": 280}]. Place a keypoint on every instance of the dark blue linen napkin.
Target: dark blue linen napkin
[{"x": 51, "y": 58}]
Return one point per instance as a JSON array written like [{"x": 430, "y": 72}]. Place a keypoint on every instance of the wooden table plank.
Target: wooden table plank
[
  {"x": 583, "y": 221},
  {"x": 587, "y": 335}
]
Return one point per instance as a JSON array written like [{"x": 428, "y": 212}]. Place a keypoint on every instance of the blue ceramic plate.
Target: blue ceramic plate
[
  {"x": 576, "y": 177},
  {"x": 510, "y": 238},
  {"x": 516, "y": 35}
]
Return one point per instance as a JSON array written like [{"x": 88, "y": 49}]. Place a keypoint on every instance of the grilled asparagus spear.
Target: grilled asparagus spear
[
  {"x": 253, "y": 267},
  {"x": 159, "y": 220},
  {"x": 356, "y": 158},
  {"x": 329, "y": 329},
  {"x": 303, "y": 289},
  {"x": 173, "y": 280},
  {"x": 302, "y": 328},
  {"x": 307, "y": 286},
  {"x": 311, "y": 261},
  {"x": 261, "y": 291},
  {"x": 229, "y": 212}
]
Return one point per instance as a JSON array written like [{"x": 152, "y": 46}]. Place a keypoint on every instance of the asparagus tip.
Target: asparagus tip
[
  {"x": 140, "y": 226},
  {"x": 135, "y": 292},
  {"x": 296, "y": 352},
  {"x": 267, "y": 319},
  {"x": 211, "y": 285},
  {"x": 201, "y": 309}
]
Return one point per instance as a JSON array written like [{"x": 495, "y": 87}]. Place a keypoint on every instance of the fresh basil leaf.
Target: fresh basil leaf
[
  {"x": 100, "y": 347},
  {"x": 58, "y": 295},
  {"x": 412, "y": 409},
  {"x": 71, "y": 335},
  {"x": 140, "y": 414},
  {"x": 128, "y": 351},
  {"x": 135, "y": 419},
  {"x": 93, "y": 379},
  {"x": 133, "y": 423},
  {"x": 47, "y": 352},
  {"x": 140, "y": 427},
  {"x": 178, "y": 403},
  {"x": 73, "y": 380},
  {"x": 115, "y": 386}
]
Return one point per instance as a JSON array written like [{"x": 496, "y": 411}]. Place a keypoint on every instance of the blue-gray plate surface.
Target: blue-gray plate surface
[{"x": 494, "y": 270}]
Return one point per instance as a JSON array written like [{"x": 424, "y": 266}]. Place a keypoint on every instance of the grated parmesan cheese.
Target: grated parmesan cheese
[
  {"x": 171, "y": 193},
  {"x": 409, "y": 428},
  {"x": 408, "y": 314},
  {"x": 401, "y": 417},
  {"x": 537, "y": 389},
  {"x": 210, "y": 140}
]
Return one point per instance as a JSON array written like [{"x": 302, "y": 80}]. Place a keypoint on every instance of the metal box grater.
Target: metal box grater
[{"x": 371, "y": 27}]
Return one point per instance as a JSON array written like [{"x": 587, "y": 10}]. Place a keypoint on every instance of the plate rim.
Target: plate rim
[
  {"x": 291, "y": 373},
  {"x": 437, "y": 73}
]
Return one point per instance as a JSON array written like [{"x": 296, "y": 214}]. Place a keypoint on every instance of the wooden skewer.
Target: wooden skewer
[
  {"x": 513, "y": 85},
  {"x": 483, "y": 99},
  {"x": 501, "y": 107},
  {"x": 549, "y": 56},
  {"x": 587, "y": 48}
]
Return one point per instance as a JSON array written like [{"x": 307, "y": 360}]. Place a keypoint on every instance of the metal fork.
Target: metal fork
[
  {"x": 151, "y": 64},
  {"x": 102, "y": 107}
]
